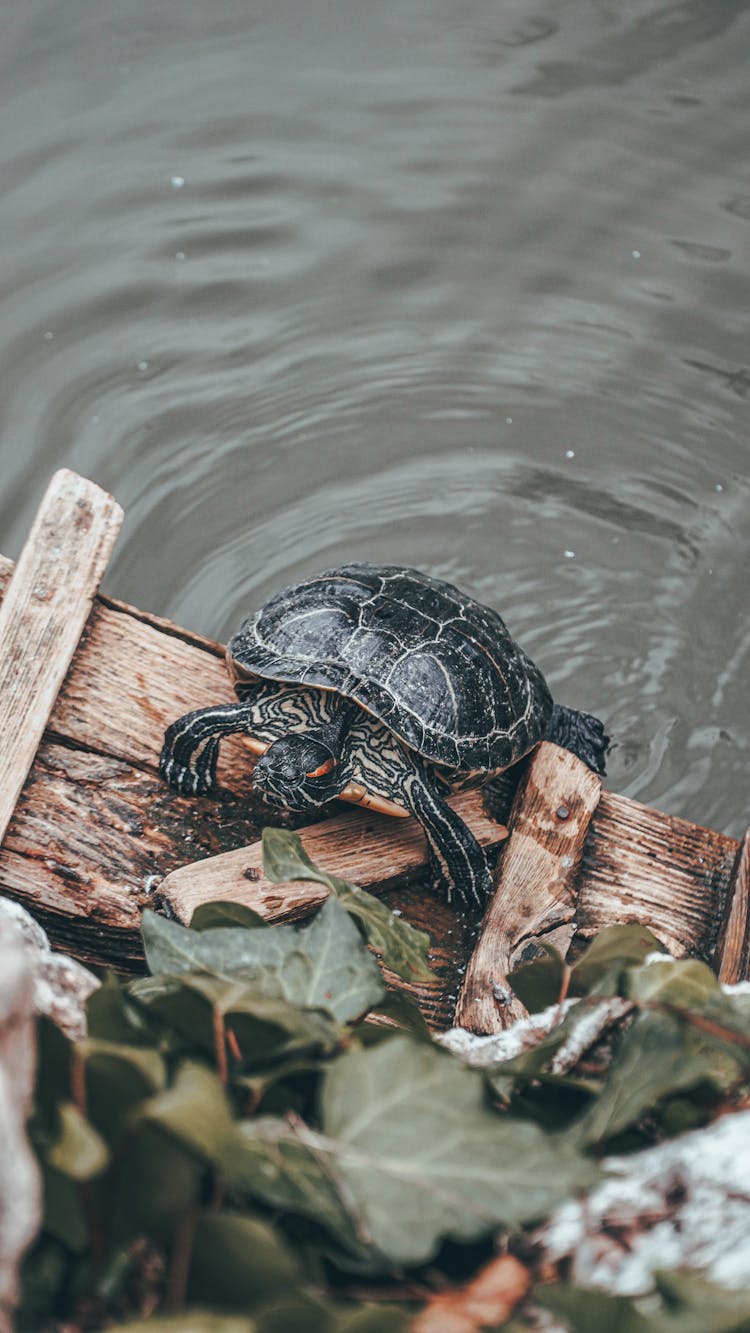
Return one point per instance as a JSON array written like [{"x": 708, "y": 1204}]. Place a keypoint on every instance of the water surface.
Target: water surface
[{"x": 463, "y": 286}]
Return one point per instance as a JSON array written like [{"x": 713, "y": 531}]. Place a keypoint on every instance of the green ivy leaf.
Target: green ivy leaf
[
  {"x": 78, "y": 1152},
  {"x": 321, "y": 965},
  {"x": 697, "y": 1305},
  {"x": 118, "y": 1078},
  {"x": 195, "y": 1111},
  {"x": 539, "y": 984},
  {"x": 402, "y": 948},
  {"x": 587, "y": 1311},
  {"x": 659, "y": 1056},
  {"x": 687, "y": 982},
  {"x": 111, "y": 1015},
  {"x": 690, "y": 1305},
  {"x": 600, "y": 969},
  {"x": 270, "y": 1164},
  {"x": 402, "y": 1011},
  {"x": 156, "y": 1183},
  {"x": 189, "y": 1321},
  {"x": 265, "y": 1027},
  {"x": 421, "y": 1157},
  {"x": 238, "y": 1262},
  {"x": 211, "y": 916},
  {"x": 373, "y": 1319}
]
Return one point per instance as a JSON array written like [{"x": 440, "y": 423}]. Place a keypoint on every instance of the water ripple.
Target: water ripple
[{"x": 471, "y": 295}]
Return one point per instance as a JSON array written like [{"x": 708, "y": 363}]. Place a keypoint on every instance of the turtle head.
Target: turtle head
[{"x": 299, "y": 771}]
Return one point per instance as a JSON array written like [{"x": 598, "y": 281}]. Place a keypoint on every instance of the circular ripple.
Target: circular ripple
[{"x": 468, "y": 296}]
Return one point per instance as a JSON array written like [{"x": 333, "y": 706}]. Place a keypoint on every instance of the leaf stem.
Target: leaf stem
[
  {"x": 179, "y": 1264},
  {"x": 220, "y": 1045},
  {"x": 708, "y": 1025}
]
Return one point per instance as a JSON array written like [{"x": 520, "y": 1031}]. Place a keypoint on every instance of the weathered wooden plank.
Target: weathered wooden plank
[
  {"x": 42, "y": 616},
  {"x": 129, "y": 681},
  {"x": 732, "y": 959},
  {"x": 375, "y": 851},
  {"x": 642, "y": 865},
  {"x": 92, "y": 834},
  {"x": 131, "y": 676},
  {"x": 534, "y": 883}
]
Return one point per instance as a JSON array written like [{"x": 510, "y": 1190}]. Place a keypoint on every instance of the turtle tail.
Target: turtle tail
[{"x": 582, "y": 734}]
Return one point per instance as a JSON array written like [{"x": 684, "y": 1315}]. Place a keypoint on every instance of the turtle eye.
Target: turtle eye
[{"x": 325, "y": 768}]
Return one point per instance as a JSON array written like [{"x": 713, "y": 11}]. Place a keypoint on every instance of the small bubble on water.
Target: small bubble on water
[
  {"x": 143, "y": 365},
  {"x": 636, "y": 254},
  {"x": 177, "y": 182},
  {"x": 718, "y": 486},
  {"x": 180, "y": 254},
  {"x": 509, "y": 421},
  {"x": 570, "y": 453},
  {"x": 49, "y": 335},
  {"x": 569, "y": 555}
]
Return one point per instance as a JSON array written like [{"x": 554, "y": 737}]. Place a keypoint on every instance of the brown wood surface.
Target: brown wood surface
[
  {"x": 42, "y": 616},
  {"x": 95, "y": 829},
  {"x": 372, "y": 850},
  {"x": 644, "y": 866},
  {"x": 733, "y": 950},
  {"x": 534, "y": 884}
]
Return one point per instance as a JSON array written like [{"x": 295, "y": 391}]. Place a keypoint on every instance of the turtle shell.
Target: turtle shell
[{"x": 438, "y": 668}]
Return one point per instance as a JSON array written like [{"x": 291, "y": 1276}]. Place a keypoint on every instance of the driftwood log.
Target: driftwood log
[
  {"x": 95, "y": 830},
  {"x": 535, "y": 883}
]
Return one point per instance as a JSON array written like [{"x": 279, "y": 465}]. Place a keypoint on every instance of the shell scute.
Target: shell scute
[{"x": 438, "y": 668}]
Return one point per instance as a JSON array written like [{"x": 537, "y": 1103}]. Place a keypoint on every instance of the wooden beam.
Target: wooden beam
[
  {"x": 733, "y": 949},
  {"x": 371, "y": 850},
  {"x": 645, "y": 866},
  {"x": 95, "y": 828},
  {"x": 534, "y": 883},
  {"x": 43, "y": 614}
]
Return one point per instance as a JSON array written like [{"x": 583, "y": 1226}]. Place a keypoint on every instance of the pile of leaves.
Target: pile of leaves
[{"x": 259, "y": 1138}]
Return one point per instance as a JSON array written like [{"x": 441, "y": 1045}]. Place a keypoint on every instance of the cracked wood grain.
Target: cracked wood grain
[
  {"x": 733, "y": 948},
  {"x": 44, "y": 610},
  {"x": 534, "y": 884}
]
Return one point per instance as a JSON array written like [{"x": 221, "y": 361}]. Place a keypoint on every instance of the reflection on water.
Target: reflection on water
[{"x": 335, "y": 282}]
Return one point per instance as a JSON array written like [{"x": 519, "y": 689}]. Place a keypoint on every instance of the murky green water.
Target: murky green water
[{"x": 465, "y": 286}]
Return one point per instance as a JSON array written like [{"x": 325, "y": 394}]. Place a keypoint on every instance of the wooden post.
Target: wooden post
[
  {"x": 372, "y": 850},
  {"x": 535, "y": 881},
  {"x": 43, "y": 614},
  {"x": 732, "y": 958}
]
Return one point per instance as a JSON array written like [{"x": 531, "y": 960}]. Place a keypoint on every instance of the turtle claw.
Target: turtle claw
[{"x": 194, "y": 778}]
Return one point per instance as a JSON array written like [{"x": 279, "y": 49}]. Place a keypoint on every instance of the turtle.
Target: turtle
[{"x": 388, "y": 687}]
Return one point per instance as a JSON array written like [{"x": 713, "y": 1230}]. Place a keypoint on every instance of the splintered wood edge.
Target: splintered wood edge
[
  {"x": 372, "y": 850},
  {"x": 43, "y": 613},
  {"x": 534, "y": 888},
  {"x": 732, "y": 957}
]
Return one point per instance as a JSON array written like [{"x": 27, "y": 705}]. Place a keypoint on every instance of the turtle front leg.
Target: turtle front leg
[
  {"x": 191, "y": 746},
  {"x": 458, "y": 864}
]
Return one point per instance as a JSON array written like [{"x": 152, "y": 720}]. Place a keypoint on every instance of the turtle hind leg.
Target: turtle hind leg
[
  {"x": 582, "y": 734},
  {"x": 458, "y": 865},
  {"x": 191, "y": 746}
]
